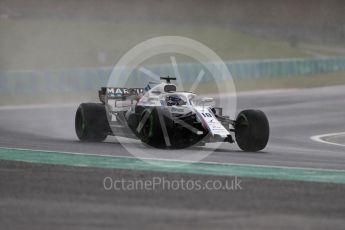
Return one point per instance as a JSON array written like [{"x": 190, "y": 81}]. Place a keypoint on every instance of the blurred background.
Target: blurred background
[{"x": 63, "y": 51}]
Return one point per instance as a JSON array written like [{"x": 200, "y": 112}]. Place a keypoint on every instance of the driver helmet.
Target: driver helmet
[{"x": 174, "y": 100}]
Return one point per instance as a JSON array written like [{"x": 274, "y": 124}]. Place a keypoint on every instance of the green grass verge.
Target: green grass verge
[{"x": 45, "y": 44}]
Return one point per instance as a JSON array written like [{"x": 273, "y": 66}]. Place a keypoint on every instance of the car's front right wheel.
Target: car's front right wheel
[{"x": 252, "y": 130}]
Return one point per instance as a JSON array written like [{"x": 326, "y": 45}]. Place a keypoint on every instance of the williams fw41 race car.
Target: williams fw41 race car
[{"x": 162, "y": 117}]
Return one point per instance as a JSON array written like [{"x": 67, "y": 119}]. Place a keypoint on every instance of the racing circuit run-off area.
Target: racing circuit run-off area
[{"x": 172, "y": 115}]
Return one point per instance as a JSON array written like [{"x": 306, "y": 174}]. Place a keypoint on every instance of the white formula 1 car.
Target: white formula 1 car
[{"x": 162, "y": 117}]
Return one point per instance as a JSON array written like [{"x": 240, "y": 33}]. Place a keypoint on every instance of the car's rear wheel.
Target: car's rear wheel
[
  {"x": 252, "y": 130},
  {"x": 91, "y": 123}
]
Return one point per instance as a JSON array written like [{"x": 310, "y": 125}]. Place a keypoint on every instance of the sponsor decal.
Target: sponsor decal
[
  {"x": 214, "y": 126},
  {"x": 124, "y": 92}
]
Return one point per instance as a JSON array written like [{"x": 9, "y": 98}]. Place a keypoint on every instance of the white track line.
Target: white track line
[{"x": 319, "y": 138}]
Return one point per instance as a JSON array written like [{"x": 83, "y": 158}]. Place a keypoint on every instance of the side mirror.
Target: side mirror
[{"x": 206, "y": 100}]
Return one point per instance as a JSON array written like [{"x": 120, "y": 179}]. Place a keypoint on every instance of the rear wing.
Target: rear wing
[
  {"x": 115, "y": 93},
  {"x": 119, "y": 99}
]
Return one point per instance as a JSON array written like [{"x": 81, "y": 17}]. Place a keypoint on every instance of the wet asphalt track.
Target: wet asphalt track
[
  {"x": 34, "y": 195},
  {"x": 294, "y": 117}
]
